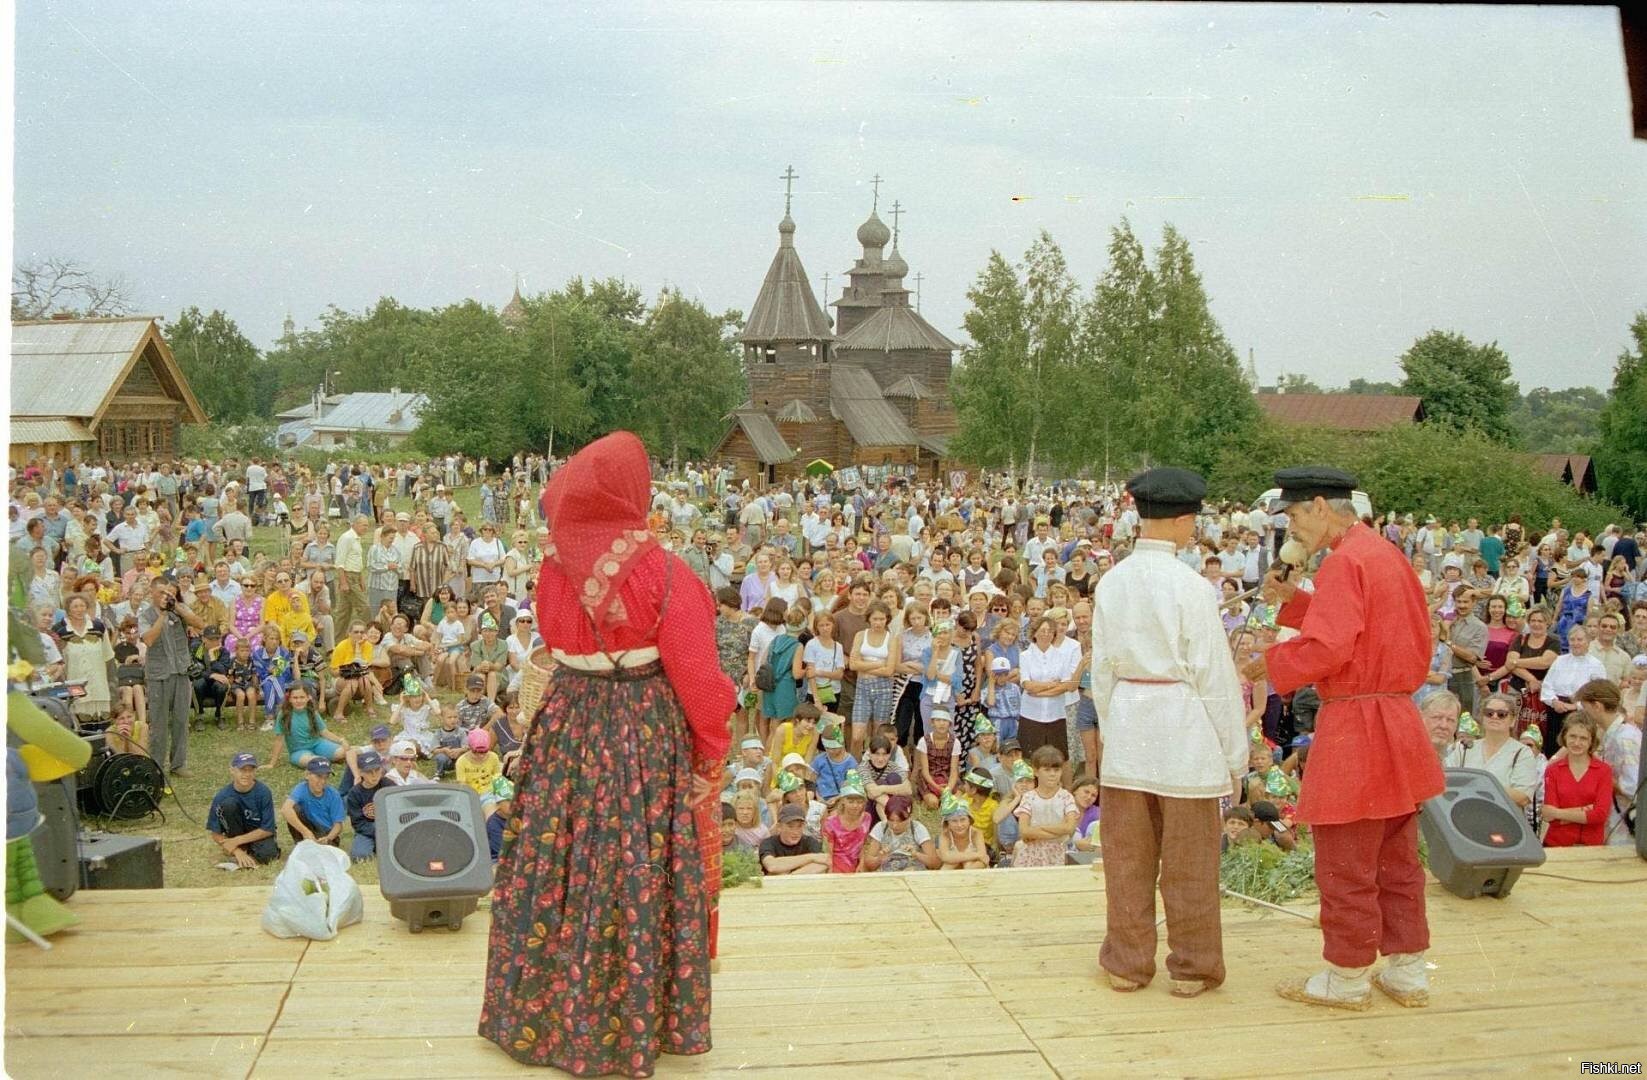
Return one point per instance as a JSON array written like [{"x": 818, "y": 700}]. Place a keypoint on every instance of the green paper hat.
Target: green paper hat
[
  {"x": 788, "y": 781},
  {"x": 502, "y": 788},
  {"x": 853, "y": 784},
  {"x": 983, "y": 726},
  {"x": 1534, "y": 733},
  {"x": 411, "y": 687},
  {"x": 1468, "y": 726},
  {"x": 1277, "y": 783},
  {"x": 487, "y": 622},
  {"x": 1022, "y": 771},
  {"x": 953, "y": 807}
]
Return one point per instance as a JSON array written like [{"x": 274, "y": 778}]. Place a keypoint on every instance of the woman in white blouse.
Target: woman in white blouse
[
  {"x": 1047, "y": 674},
  {"x": 1511, "y": 762}
]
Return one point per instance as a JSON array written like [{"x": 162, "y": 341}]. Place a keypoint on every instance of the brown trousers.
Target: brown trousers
[{"x": 1145, "y": 836}]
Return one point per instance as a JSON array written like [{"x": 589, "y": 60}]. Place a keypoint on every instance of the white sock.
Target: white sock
[
  {"x": 1406, "y": 971},
  {"x": 1339, "y": 983}
]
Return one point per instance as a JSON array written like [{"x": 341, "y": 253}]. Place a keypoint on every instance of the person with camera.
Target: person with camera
[{"x": 165, "y": 627}]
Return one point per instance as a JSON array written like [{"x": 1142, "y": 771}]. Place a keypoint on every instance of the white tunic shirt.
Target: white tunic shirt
[{"x": 1168, "y": 698}]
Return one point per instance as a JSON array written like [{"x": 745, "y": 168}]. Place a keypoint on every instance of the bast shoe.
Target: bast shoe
[
  {"x": 1120, "y": 985},
  {"x": 1334, "y": 988},
  {"x": 1405, "y": 980},
  {"x": 1188, "y": 988}
]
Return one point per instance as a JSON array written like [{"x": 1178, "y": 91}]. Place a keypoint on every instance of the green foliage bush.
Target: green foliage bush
[
  {"x": 1265, "y": 872},
  {"x": 1420, "y": 469}
]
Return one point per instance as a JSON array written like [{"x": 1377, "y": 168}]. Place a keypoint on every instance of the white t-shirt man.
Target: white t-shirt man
[{"x": 257, "y": 478}]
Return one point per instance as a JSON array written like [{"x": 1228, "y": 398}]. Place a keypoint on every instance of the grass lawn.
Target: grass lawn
[{"x": 190, "y": 857}]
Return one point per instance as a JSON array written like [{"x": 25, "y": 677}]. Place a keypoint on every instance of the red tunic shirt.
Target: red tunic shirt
[
  {"x": 1364, "y": 642},
  {"x": 1564, "y": 792},
  {"x": 685, "y": 639}
]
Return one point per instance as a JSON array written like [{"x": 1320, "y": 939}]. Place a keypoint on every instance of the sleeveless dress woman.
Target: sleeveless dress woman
[{"x": 601, "y": 937}]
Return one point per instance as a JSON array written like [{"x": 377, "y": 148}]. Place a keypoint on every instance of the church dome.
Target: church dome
[
  {"x": 874, "y": 233},
  {"x": 786, "y": 227},
  {"x": 894, "y": 267}
]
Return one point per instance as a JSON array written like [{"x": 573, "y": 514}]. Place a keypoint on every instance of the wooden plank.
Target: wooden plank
[
  {"x": 118, "y": 1011},
  {"x": 204, "y": 975},
  {"x": 167, "y": 1055}
]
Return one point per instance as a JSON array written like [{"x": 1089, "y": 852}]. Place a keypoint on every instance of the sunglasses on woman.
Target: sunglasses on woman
[{"x": 1495, "y": 712}]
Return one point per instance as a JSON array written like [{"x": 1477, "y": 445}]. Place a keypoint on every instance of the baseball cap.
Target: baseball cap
[
  {"x": 793, "y": 758},
  {"x": 476, "y": 682},
  {"x": 1000, "y": 663},
  {"x": 403, "y": 516},
  {"x": 403, "y": 748},
  {"x": 747, "y": 774},
  {"x": 243, "y": 760},
  {"x": 369, "y": 759},
  {"x": 320, "y": 766},
  {"x": 791, "y": 813},
  {"x": 1266, "y": 811},
  {"x": 753, "y": 742},
  {"x": 1010, "y": 744},
  {"x": 214, "y": 631},
  {"x": 298, "y": 635},
  {"x": 480, "y": 740},
  {"x": 380, "y": 732}
]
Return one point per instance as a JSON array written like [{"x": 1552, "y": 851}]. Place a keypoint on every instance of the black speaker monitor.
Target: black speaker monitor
[
  {"x": 1479, "y": 841},
  {"x": 434, "y": 863}
]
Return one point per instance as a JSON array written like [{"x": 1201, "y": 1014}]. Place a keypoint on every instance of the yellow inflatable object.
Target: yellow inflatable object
[{"x": 50, "y": 749}]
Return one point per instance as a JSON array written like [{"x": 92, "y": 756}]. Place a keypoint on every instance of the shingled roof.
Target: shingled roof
[
  {"x": 763, "y": 436},
  {"x": 1347, "y": 412},
  {"x": 856, "y": 401},
  {"x": 894, "y": 327},
  {"x": 786, "y": 309}
]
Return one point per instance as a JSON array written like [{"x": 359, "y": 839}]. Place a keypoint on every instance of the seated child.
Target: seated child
[
  {"x": 127, "y": 734},
  {"x": 1237, "y": 820},
  {"x": 1267, "y": 826},
  {"x": 790, "y": 850},
  {"x": 1006, "y": 821},
  {"x": 979, "y": 792},
  {"x": 497, "y": 814},
  {"x": 1085, "y": 790},
  {"x": 961, "y": 843},
  {"x": 1046, "y": 814},
  {"x": 847, "y": 826},
  {"x": 479, "y": 766},
  {"x": 360, "y": 806},
  {"x": 449, "y": 741},
  {"x": 414, "y": 716}
]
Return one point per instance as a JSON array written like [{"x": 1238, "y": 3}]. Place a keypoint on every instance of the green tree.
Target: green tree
[
  {"x": 371, "y": 351},
  {"x": 1117, "y": 330},
  {"x": 603, "y": 349},
  {"x": 991, "y": 412},
  {"x": 553, "y": 405},
  {"x": 473, "y": 365},
  {"x": 1369, "y": 386},
  {"x": 1621, "y": 450},
  {"x": 687, "y": 376},
  {"x": 1463, "y": 385},
  {"x": 1559, "y": 421},
  {"x": 1051, "y": 317},
  {"x": 220, "y": 363}
]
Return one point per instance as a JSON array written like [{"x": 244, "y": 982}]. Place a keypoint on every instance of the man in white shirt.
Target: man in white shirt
[
  {"x": 721, "y": 563},
  {"x": 1570, "y": 671},
  {"x": 130, "y": 540},
  {"x": 257, "y": 486},
  {"x": 1173, "y": 728}
]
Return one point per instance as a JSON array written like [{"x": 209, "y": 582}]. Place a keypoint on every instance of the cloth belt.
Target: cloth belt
[
  {"x": 1154, "y": 682},
  {"x": 632, "y": 658},
  {"x": 1364, "y": 697}
]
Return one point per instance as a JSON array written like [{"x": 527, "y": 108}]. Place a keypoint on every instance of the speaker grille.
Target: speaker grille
[
  {"x": 1486, "y": 823},
  {"x": 434, "y": 849}
]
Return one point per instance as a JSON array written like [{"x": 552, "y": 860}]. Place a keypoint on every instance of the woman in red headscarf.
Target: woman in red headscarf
[{"x": 600, "y": 944}]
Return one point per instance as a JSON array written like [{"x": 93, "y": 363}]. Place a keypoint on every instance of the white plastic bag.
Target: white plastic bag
[{"x": 314, "y": 894}]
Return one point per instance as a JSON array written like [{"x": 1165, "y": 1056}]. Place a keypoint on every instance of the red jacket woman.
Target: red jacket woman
[{"x": 1578, "y": 789}]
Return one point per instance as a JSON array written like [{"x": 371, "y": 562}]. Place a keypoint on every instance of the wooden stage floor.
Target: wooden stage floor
[{"x": 913, "y": 975}]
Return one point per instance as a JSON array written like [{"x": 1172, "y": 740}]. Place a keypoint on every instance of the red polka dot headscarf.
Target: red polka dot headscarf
[{"x": 596, "y": 508}]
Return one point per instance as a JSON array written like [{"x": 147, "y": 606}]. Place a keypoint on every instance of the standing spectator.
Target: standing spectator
[
  {"x": 1620, "y": 749},
  {"x": 1606, "y": 648},
  {"x": 241, "y": 820},
  {"x": 314, "y": 809},
  {"x": 1048, "y": 673},
  {"x": 1467, "y": 638},
  {"x": 351, "y": 573},
  {"x": 129, "y": 540},
  {"x": 1569, "y": 672},
  {"x": 164, "y": 626},
  {"x": 382, "y": 570},
  {"x": 234, "y": 525},
  {"x": 485, "y": 557},
  {"x": 257, "y": 487}
]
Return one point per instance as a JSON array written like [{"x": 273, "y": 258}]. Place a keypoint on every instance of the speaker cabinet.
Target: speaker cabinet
[
  {"x": 1479, "y": 841},
  {"x": 120, "y": 861},
  {"x": 56, "y": 841},
  {"x": 434, "y": 863}
]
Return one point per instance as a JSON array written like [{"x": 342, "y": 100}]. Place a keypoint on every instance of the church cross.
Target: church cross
[
  {"x": 788, "y": 179},
  {"x": 918, "y": 279},
  {"x": 876, "y": 184},
  {"x": 826, "y": 288},
  {"x": 897, "y": 211}
]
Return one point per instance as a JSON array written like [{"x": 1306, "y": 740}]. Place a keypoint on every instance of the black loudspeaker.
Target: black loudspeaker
[
  {"x": 54, "y": 841},
  {"x": 434, "y": 863},
  {"x": 117, "y": 861},
  {"x": 1641, "y": 818},
  {"x": 1479, "y": 841}
]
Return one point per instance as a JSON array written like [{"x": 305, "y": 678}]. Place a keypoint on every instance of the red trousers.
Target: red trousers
[
  {"x": 1372, "y": 890},
  {"x": 1144, "y": 836}
]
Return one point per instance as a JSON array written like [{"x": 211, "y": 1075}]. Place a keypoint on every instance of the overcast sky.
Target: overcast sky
[{"x": 1350, "y": 176}]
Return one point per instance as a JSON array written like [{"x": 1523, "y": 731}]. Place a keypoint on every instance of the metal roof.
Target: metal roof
[
  {"x": 938, "y": 444},
  {"x": 796, "y": 411},
  {"x": 892, "y": 328},
  {"x": 306, "y": 410},
  {"x": 365, "y": 411},
  {"x": 67, "y": 367},
  {"x": 786, "y": 309},
  {"x": 1347, "y": 412},
  {"x": 28, "y": 430},
  {"x": 763, "y": 436},
  {"x": 857, "y": 402}
]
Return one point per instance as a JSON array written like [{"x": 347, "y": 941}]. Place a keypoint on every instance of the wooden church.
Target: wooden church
[{"x": 870, "y": 387}]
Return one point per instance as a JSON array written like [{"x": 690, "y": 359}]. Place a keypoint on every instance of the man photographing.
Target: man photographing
[
  {"x": 1364, "y": 642},
  {"x": 165, "y": 625}
]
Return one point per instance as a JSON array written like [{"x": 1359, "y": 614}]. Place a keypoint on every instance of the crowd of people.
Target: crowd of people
[{"x": 913, "y": 659}]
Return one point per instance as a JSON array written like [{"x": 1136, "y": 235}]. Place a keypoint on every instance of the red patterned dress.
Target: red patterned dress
[{"x": 599, "y": 951}]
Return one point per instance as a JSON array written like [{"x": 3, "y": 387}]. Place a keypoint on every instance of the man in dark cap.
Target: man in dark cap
[
  {"x": 1174, "y": 735},
  {"x": 1364, "y": 642}
]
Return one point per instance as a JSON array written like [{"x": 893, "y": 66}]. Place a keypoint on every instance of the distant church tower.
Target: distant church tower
[
  {"x": 514, "y": 312},
  {"x": 787, "y": 340}
]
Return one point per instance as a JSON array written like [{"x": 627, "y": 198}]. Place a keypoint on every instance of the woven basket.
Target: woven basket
[{"x": 534, "y": 682}]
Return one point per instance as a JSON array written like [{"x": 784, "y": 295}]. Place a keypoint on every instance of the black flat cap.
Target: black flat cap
[
  {"x": 1167, "y": 492},
  {"x": 1304, "y": 482}
]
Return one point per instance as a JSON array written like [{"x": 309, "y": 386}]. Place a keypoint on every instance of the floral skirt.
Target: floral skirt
[{"x": 599, "y": 951}]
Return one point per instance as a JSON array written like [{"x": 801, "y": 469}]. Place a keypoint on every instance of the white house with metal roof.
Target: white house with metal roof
[
  {"x": 96, "y": 388},
  {"x": 341, "y": 419}
]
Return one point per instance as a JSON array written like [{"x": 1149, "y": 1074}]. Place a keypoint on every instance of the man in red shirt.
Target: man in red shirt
[{"x": 1364, "y": 642}]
